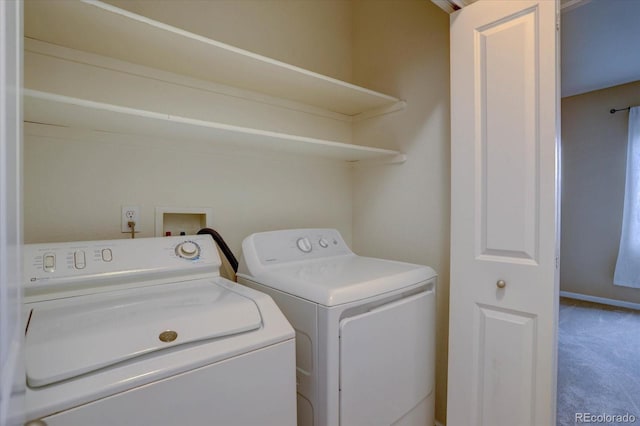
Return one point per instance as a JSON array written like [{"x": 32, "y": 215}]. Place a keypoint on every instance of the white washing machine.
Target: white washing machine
[
  {"x": 365, "y": 328},
  {"x": 145, "y": 332}
]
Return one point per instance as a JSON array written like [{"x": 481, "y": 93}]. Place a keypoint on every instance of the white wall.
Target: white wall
[
  {"x": 402, "y": 211},
  {"x": 594, "y": 155}
]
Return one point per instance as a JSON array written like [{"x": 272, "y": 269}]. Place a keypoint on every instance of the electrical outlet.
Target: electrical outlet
[{"x": 130, "y": 214}]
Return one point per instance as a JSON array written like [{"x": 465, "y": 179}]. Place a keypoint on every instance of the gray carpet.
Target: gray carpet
[{"x": 598, "y": 362}]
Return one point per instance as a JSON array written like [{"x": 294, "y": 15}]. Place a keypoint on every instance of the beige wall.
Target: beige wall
[
  {"x": 402, "y": 211},
  {"x": 76, "y": 181},
  {"x": 594, "y": 145},
  {"x": 314, "y": 35}
]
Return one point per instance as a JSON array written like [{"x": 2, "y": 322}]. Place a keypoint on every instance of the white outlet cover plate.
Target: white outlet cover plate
[{"x": 125, "y": 217}]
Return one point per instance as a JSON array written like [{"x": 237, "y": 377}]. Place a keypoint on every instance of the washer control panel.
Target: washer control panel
[
  {"x": 52, "y": 266},
  {"x": 295, "y": 244}
]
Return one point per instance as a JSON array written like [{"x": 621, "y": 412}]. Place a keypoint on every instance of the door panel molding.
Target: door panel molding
[
  {"x": 508, "y": 141},
  {"x": 506, "y": 341}
]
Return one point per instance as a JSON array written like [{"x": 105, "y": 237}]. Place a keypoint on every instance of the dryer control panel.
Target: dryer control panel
[
  {"x": 86, "y": 265},
  {"x": 276, "y": 247}
]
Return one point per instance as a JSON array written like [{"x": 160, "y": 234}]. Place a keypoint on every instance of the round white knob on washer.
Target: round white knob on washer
[
  {"x": 323, "y": 243},
  {"x": 304, "y": 244},
  {"x": 188, "y": 250}
]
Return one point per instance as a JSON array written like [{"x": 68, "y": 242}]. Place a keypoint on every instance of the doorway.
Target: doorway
[{"x": 597, "y": 318}]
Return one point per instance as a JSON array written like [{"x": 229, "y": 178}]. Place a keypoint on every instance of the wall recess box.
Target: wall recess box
[{"x": 180, "y": 219}]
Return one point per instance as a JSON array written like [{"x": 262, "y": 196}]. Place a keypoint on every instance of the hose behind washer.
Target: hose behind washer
[{"x": 224, "y": 248}]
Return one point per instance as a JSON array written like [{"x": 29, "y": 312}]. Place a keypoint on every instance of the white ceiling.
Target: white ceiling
[{"x": 600, "y": 44}]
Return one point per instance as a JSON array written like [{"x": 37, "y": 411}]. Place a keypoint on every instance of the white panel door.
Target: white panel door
[{"x": 504, "y": 224}]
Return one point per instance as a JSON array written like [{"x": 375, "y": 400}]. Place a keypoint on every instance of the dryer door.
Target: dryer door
[{"x": 387, "y": 363}]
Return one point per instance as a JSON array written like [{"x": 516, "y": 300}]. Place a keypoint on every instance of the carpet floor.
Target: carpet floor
[{"x": 598, "y": 363}]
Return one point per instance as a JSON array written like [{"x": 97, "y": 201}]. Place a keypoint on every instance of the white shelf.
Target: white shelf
[
  {"x": 106, "y": 30},
  {"x": 49, "y": 108}
]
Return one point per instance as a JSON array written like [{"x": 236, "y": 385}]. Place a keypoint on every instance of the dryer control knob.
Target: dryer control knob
[
  {"x": 304, "y": 244},
  {"x": 188, "y": 250},
  {"x": 323, "y": 243}
]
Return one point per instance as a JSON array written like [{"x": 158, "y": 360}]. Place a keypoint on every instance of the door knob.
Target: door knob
[{"x": 501, "y": 284}]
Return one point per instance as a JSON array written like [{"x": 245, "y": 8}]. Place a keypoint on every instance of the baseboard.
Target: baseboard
[{"x": 602, "y": 300}]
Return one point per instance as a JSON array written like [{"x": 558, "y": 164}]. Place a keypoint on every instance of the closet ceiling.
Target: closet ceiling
[{"x": 600, "y": 41}]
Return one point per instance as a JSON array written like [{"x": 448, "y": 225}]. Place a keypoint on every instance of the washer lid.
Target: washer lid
[
  {"x": 342, "y": 279},
  {"x": 70, "y": 337}
]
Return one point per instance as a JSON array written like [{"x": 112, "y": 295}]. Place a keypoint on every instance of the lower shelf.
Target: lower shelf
[{"x": 49, "y": 108}]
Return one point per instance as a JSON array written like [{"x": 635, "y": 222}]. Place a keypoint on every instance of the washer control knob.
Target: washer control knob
[
  {"x": 188, "y": 250},
  {"x": 304, "y": 244},
  {"x": 323, "y": 243}
]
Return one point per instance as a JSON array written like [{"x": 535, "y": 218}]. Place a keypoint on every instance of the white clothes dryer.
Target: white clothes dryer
[
  {"x": 365, "y": 327},
  {"x": 144, "y": 332}
]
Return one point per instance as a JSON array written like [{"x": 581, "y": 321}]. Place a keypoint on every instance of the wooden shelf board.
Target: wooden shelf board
[
  {"x": 106, "y": 30},
  {"x": 49, "y": 108}
]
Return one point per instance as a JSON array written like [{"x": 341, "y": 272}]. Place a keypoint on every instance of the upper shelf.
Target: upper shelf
[
  {"x": 59, "y": 110},
  {"x": 106, "y": 30}
]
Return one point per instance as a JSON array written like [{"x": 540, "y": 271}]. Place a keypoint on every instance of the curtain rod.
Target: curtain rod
[{"x": 613, "y": 110}]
